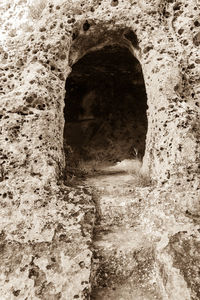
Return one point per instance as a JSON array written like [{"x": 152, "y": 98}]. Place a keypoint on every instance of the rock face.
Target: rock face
[{"x": 47, "y": 239}]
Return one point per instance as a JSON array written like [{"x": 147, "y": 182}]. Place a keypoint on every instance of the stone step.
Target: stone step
[
  {"x": 123, "y": 266},
  {"x": 117, "y": 200},
  {"x": 123, "y": 256},
  {"x": 118, "y": 210}
]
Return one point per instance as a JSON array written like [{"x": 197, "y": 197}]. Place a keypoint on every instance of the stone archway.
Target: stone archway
[
  {"x": 106, "y": 104},
  {"x": 95, "y": 39}
]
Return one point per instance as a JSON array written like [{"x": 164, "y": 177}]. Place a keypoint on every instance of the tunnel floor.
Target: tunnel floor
[{"x": 105, "y": 111}]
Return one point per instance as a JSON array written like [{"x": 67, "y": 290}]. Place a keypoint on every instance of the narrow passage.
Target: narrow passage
[{"x": 105, "y": 132}]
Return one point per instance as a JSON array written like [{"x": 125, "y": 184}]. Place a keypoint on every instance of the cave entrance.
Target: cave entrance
[{"x": 105, "y": 108}]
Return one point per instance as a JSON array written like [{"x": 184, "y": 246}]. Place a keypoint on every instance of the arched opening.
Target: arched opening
[{"x": 105, "y": 111}]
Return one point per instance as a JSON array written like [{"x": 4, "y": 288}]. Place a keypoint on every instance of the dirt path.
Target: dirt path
[{"x": 123, "y": 267}]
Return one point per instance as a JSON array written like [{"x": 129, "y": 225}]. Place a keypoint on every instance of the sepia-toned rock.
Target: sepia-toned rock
[{"x": 99, "y": 150}]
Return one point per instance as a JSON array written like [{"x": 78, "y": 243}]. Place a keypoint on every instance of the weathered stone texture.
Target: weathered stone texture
[{"x": 46, "y": 227}]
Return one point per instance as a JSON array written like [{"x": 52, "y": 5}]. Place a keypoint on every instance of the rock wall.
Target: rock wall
[{"x": 46, "y": 226}]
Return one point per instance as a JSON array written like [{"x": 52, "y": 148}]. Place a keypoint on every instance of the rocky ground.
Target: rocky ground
[
  {"x": 123, "y": 262},
  {"x": 133, "y": 253}
]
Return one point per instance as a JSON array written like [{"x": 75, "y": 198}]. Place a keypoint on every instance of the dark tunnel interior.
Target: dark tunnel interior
[{"x": 105, "y": 107}]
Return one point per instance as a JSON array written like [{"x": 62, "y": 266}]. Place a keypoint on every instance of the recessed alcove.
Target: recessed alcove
[{"x": 105, "y": 107}]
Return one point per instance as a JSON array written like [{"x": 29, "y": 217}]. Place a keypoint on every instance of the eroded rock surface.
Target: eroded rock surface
[{"x": 47, "y": 225}]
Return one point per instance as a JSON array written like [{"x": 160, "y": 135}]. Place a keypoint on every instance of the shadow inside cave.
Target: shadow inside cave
[{"x": 105, "y": 109}]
